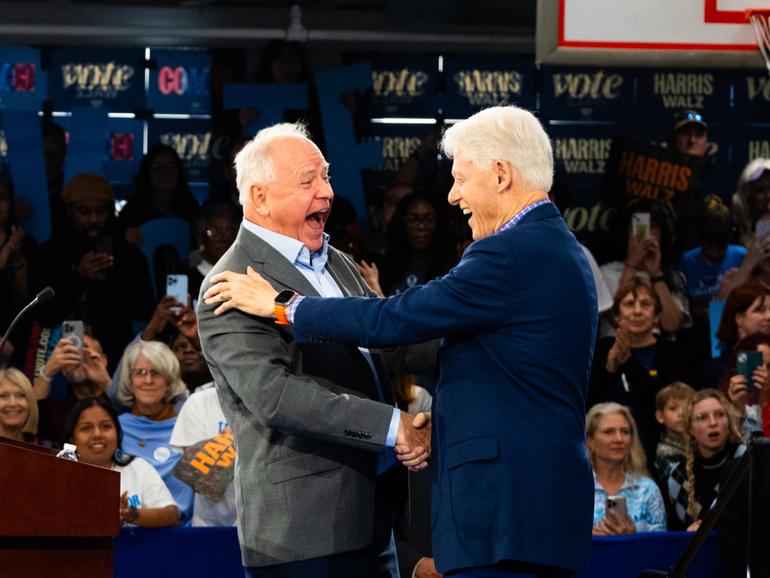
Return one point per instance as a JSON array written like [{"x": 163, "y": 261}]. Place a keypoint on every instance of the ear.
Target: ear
[
  {"x": 659, "y": 416},
  {"x": 504, "y": 175},
  {"x": 258, "y": 195}
]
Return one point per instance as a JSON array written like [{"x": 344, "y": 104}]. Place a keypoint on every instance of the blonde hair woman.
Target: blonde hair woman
[
  {"x": 713, "y": 441},
  {"x": 620, "y": 469},
  {"x": 18, "y": 406}
]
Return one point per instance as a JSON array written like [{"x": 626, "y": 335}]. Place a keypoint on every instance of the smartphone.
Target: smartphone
[
  {"x": 616, "y": 507},
  {"x": 103, "y": 245},
  {"x": 73, "y": 330},
  {"x": 746, "y": 363},
  {"x": 762, "y": 228},
  {"x": 640, "y": 225},
  {"x": 176, "y": 286}
]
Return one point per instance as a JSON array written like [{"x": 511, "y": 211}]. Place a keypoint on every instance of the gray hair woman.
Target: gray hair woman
[
  {"x": 752, "y": 197},
  {"x": 620, "y": 470},
  {"x": 18, "y": 406},
  {"x": 150, "y": 384}
]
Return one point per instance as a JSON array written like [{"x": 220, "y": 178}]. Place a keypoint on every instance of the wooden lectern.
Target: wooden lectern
[{"x": 57, "y": 517}]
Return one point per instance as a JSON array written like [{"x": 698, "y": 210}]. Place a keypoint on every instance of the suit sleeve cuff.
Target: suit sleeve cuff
[
  {"x": 292, "y": 308},
  {"x": 390, "y": 441}
]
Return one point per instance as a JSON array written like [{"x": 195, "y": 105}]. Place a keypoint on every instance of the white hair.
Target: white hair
[
  {"x": 254, "y": 164},
  {"x": 162, "y": 359},
  {"x": 507, "y": 133}
]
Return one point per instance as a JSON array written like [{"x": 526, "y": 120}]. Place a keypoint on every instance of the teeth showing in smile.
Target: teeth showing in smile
[{"x": 467, "y": 211}]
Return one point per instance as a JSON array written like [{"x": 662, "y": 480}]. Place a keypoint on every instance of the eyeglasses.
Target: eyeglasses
[
  {"x": 221, "y": 232},
  {"x": 143, "y": 372},
  {"x": 413, "y": 219},
  {"x": 706, "y": 416},
  {"x": 693, "y": 116}
]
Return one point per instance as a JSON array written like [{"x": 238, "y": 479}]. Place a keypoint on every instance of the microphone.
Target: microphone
[{"x": 43, "y": 296}]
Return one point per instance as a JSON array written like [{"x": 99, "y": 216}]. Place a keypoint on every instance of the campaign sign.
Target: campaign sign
[
  {"x": 23, "y": 85},
  {"x": 587, "y": 93},
  {"x": 110, "y": 78},
  {"x": 581, "y": 152},
  {"x": 474, "y": 83},
  {"x": 123, "y": 149},
  {"x": 663, "y": 92},
  {"x": 404, "y": 86},
  {"x": 750, "y": 142},
  {"x": 637, "y": 170},
  {"x": 180, "y": 82},
  {"x": 191, "y": 138},
  {"x": 752, "y": 95}
]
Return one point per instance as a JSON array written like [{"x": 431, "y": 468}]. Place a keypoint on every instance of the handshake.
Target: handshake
[{"x": 413, "y": 440}]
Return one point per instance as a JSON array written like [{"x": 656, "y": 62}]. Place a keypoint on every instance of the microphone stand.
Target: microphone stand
[{"x": 44, "y": 295}]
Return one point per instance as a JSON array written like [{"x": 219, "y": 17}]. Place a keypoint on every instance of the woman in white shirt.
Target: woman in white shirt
[{"x": 93, "y": 427}]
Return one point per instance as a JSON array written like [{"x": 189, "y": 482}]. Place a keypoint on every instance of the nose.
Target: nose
[
  {"x": 325, "y": 191},
  {"x": 453, "y": 198}
]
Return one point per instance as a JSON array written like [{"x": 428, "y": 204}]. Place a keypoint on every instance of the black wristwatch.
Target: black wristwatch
[{"x": 282, "y": 302}]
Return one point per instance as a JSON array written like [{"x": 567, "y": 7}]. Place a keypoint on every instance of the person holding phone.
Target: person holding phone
[
  {"x": 746, "y": 380},
  {"x": 620, "y": 475},
  {"x": 648, "y": 257}
]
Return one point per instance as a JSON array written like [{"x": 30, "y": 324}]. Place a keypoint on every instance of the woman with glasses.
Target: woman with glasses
[
  {"x": 417, "y": 250},
  {"x": 713, "y": 444},
  {"x": 150, "y": 385},
  {"x": 216, "y": 229}
]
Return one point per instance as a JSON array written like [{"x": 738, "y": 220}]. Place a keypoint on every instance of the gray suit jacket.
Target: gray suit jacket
[{"x": 307, "y": 429}]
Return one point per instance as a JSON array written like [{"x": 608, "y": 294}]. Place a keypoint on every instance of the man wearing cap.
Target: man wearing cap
[
  {"x": 97, "y": 277},
  {"x": 689, "y": 133}
]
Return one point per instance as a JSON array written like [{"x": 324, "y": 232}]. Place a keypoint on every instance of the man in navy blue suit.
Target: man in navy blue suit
[{"x": 512, "y": 485}]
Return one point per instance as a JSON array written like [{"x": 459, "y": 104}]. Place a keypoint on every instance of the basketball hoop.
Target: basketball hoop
[{"x": 760, "y": 20}]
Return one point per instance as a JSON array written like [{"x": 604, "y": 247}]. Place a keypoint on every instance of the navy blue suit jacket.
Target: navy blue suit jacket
[{"x": 511, "y": 475}]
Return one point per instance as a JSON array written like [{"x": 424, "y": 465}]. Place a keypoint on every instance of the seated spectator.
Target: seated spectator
[
  {"x": 670, "y": 404},
  {"x": 150, "y": 384},
  {"x": 747, "y": 401},
  {"x": 145, "y": 501},
  {"x": 193, "y": 367},
  {"x": 417, "y": 250},
  {"x": 756, "y": 264},
  {"x": 713, "y": 441},
  {"x": 218, "y": 228},
  {"x": 200, "y": 419},
  {"x": 76, "y": 374},
  {"x": 97, "y": 276},
  {"x": 746, "y": 311},
  {"x": 160, "y": 190},
  {"x": 631, "y": 367},
  {"x": 751, "y": 198},
  {"x": 620, "y": 469},
  {"x": 650, "y": 259},
  {"x": 55, "y": 156},
  {"x": 18, "y": 406}
]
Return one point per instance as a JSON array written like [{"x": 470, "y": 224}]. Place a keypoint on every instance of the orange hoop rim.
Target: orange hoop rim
[{"x": 751, "y": 12}]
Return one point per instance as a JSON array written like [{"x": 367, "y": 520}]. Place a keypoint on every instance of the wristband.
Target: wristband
[
  {"x": 42, "y": 374},
  {"x": 132, "y": 515},
  {"x": 282, "y": 302}
]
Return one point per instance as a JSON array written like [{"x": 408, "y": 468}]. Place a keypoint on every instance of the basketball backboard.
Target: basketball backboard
[{"x": 706, "y": 33}]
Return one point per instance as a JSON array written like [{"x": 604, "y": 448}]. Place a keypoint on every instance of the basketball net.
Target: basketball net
[{"x": 760, "y": 20}]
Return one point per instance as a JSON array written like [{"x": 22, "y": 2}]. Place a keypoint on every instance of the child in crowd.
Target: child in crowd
[{"x": 669, "y": 412}]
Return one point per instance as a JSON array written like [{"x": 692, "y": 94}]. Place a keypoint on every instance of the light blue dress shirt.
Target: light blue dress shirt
[
  {"x": 312, "y": 265},
  {"x": 644, "y": 503}
]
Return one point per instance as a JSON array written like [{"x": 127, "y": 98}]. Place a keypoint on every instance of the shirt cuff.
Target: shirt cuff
[
  {"x": 390, "y": 441},
  {"x": 292, "y": 308}
]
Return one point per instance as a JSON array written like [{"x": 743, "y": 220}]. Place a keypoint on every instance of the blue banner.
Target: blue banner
[
  {"x": 347, "y": 157},
  {"x": 752, "y": 96},
  {"x": 191, "y": 138},
  {"x": 23, "y": 84},
  {"x": 180, "y": 82},
  {"x": 750, "y": 142},
  {"x": 404, "y": 86},
  {"x": 663, "y": 92},
  {"x": 476, "y": 82},
  {"x": 587, "y": 93},
  {"x": 110, "y": 78},
  {"x": 268, "y": 100},
  {"x": 87, "y": 128}
]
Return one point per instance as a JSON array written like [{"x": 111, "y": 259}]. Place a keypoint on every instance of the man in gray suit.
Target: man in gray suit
[{"x": 310, "y": 421}]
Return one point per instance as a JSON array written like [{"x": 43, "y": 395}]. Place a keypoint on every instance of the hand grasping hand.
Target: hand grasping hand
[{"x": 413, "y": 440}]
